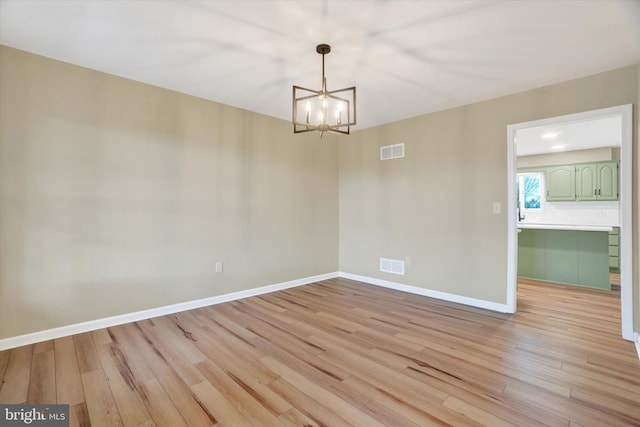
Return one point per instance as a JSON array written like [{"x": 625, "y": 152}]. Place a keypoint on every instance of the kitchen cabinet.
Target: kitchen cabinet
[
  {"x": 597, "y": 181},
  {"x": 561, "y": 183},
  {"x": 583, "y": 182},
  {"x": 564, "y": 256},
  {"x": 614, "y": 250}
]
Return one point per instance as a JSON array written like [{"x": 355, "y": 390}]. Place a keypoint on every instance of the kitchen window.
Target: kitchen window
[{"x": 530, "y": 190}]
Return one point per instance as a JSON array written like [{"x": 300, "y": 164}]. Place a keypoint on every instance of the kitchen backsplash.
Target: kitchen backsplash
[{"x": 575, "y": 213}]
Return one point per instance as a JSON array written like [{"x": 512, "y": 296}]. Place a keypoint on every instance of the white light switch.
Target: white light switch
[
  {"x": 496, "y": 207},
  {"x": 219, "y": 267}
]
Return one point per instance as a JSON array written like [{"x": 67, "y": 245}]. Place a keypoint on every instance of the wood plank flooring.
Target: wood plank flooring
[{"x": 343, "y": 353}]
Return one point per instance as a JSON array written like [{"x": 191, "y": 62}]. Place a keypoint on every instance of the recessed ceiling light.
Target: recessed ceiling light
[
  {"x": 558, "y": 147},
  {"x": 550, "y": 135}
]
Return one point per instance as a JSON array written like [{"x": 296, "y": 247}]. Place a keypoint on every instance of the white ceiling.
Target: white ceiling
[
  {"x": 570, "y": 136},
  {"x": 406, "y": 58}
]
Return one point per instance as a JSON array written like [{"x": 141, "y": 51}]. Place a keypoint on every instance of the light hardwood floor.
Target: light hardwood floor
[{"x": 343, "y": 353}]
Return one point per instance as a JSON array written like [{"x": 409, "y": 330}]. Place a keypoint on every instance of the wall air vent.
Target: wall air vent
[
  {"x": 392, "y": 151},
  {"x": 393, "y": 266}
]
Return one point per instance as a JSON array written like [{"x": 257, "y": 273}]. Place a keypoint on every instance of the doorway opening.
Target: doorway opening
[{"x": 624, "y": 115}]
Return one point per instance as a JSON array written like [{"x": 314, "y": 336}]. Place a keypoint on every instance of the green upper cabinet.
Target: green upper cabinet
[
  {"x": 608, "y": 180},
  {"x": 597, "y": 181},
  {"x": 561, "y": 183},
  {"x": 586, "y": 182},
  {"x": 583, "y": 182}
]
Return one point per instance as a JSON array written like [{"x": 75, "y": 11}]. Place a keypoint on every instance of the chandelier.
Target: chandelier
[{"x": 324, "y": 110}]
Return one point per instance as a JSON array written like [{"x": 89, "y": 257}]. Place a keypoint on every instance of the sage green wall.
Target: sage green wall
[
  {"x": 435, "y": 204},
  {"x": 117, "y": 196}
]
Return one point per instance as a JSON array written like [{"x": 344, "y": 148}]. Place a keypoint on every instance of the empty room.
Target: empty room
[{"x": 319, "y": 213}]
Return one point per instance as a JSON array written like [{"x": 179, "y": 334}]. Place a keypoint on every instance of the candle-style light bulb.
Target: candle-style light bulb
[{"x": 308, "y": 112}]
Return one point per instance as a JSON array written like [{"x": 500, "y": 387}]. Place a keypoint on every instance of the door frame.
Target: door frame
[{"x": 625, "y": 112}]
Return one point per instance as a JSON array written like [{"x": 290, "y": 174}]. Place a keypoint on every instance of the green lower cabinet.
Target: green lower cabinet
[
  {"x": 531, "y": 254},
  {"x": 593, "y": 261},
  {"x": 614, "y": 250},
  {"x": 562, "y": 256},
  {"x": 565, "y": 256}
]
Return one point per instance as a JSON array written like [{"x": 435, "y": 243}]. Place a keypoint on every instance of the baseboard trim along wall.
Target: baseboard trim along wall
[
  {"x": 502, "y": 308},
  {"x": 92, "y": 325},
  {"x": 78, "y": 328}
]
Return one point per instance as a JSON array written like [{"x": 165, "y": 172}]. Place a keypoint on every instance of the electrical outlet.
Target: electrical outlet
[{"x": 496, "y": 207}]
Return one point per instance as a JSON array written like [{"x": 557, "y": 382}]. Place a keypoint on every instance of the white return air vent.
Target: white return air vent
[
  {"x": 392, "y": 151},
  {"x": 393, "y": 266}
]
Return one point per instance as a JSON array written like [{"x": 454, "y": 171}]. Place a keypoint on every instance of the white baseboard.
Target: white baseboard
[
  {"x": 49, "y": 334},
  {"x": 502, "y": 308},
  {"x": 92, "y": 325}
]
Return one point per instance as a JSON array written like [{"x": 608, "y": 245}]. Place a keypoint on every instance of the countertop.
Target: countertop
[{"x": 565, "y": 227}]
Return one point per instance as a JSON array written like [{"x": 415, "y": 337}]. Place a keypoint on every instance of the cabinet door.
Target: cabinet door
[
  {"x": 608, "y": 180},
  {"x": 561, "y": 183},
  {"x": 586, "y": 178},
  {"x": 614, "y": 249}
]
